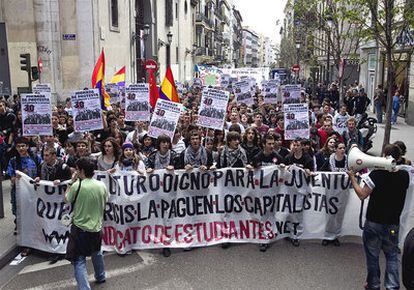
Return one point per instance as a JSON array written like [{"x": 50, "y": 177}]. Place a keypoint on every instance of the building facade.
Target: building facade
[
  {"x": 67, "y": 37},
  {"x": 250, "y": 45}
]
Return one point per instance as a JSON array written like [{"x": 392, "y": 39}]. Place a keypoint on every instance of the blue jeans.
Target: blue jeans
[
  {"x": 81, "y": 274},
  {"x": 394, "y": 115},
  {"x": 376, "y": 237},
  {"x": 378, "y": 111}
]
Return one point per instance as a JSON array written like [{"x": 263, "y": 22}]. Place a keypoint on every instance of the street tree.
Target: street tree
[{"x": 386, "y": 22}]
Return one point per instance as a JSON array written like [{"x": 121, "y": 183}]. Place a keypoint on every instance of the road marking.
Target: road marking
[
  {"x": 43, "y": 266},
  {"x": 148, "y": 259}
]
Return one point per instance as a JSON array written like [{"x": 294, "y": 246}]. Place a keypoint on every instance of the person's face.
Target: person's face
[
  {"x": 327, "y": 126},
  {"x": 233, "y": 144},
  {"x": 81, "y": 149},
  {"x": 209, "y": 145},
  {"x": 250, "y": 136},
  {"x": 326, "y": 109},
  {"x": 22, "y": 149},
  {"x": 244, "y": 119},
  {"x": 147, "y": 141},
  {"x": 108, "y": 147},
  {"x": 331, "y": 144},
  {"x": 340, "y": 150},
  {"x": 121, "y": 119},
  {"x": 49, "y": 157},
  {"x": 55, "y": 120},
  {"x": 269, "y": 145},
  {"x": 19, "y": 115},
  {"x": 128, "y": 152},
  {"x": 2, "y": 108},
  {"x": 351, "y": 125},
  {"x": 70, "y": 149},
  {"x": 187, "y": 118},
  {"x": 113, "y": 123},
  {"x": 234, "y": 110},
  {"x": 258, "y": 119},
  {"x": 195, "y": 142},
  {"x": 164, "y": 146},
  {"x": 233, "y": 117},
  {"x": 62, "y": 120},
  {"x": 243, "y": 109},
  {"x": 342, "y": 111},
  {"x": 296, "y": 147},
  {"x": 281, "y": 123}
]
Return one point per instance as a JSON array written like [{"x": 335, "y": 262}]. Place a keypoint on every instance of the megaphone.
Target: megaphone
[{"x": 358, "y": 160}]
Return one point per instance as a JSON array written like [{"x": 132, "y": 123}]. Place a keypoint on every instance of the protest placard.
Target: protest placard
[
  {"x": 291, "y": 94},
  {"x": 192, "y": 209},
  {"x": 270, "y": 91},
  {"x": 37, "y": 114},
  {"x": 296, "y": 121},
  {"x": 42, "y": 88},
  {"x": 113, "y": 91},
  {"x": 86, "y": 109},
  {"x": 137, "y": 107},
  {"x": 212, "y": 109},
  {"x": 242, "y": 91},
  {"x": 164, "y": 119}
]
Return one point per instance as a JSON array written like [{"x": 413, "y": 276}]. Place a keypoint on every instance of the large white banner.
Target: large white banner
[
  {"x": 296, "y": 121},
  {"x": 188, "y": 209},
  {"x": 86, "y": 109},
  {"x": 37, "y": 114},
  {"x": 164, "y": 119},
  {"x": 137, "y": 107},
  {"x": 213, "y": 108}
]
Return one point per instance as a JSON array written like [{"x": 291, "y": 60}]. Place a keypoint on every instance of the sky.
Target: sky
[{"x": 261, "y": 15}]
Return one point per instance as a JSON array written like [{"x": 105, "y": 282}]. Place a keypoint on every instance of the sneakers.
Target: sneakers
[
  {"x": 225, "y": 246},
  {"x": 336, "y": 243},
  {"x": 166, "y": 252},
  {"x": 263, "y": 247},
  {"x": 325, "y": 243},
  {"x": 295, "y": 242}
]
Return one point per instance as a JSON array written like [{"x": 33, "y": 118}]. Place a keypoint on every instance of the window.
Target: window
[
  {"x": 169, "y": 13},
  {"x": 114, "y": 15},
  {"x": 176, "y": 54},
  {"x": 185, "y": 7}
]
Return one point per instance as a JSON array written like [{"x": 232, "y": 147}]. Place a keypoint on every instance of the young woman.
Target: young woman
[
  {"x": 322, "y": 156},
  {"x": 109, "y": 155},
  {"x": 250, "y": 143},
  {"x": 130, "y": 160},
  {"x": 337, "y": 163}
]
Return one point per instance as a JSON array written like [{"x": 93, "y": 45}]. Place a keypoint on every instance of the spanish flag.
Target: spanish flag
[
  {"x": 119, "y": 78},
  {"x": 168, "y": 90},
  {"x": 98, "y": 81}
]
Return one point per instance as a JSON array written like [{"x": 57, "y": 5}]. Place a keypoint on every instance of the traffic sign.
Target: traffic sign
[{"x": 151, "y": 65}]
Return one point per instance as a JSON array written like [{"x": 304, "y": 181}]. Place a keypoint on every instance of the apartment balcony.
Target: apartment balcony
[
  {"x": 203, "y": 20},
  {"x": 218, "y": 36}
]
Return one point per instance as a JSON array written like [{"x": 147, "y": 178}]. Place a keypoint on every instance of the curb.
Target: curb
[{"x": 8, "y": 255}]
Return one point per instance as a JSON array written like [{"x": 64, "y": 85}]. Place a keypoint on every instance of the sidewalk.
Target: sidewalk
[
  {"x": 399, "y": 132},
  {"x": 8, "y": 248}
]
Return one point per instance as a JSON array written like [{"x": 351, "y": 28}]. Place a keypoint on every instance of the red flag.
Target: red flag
[{"x": 153, "y": 89}]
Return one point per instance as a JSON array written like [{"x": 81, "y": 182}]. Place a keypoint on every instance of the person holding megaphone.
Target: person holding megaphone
[{"x": 387, "y": 190}]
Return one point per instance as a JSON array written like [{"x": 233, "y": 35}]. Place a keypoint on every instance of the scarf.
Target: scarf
[
  {"x": 162, "y": 161},
  {"x": 332, "y": 163},
  {"x": 195, "y": 158},
  {"x": 231, "y": 156},
  {"x": 49, "y": 171}
]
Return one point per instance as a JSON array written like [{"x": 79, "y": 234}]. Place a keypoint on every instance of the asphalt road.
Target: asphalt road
[{"x": 310, "y": 266}]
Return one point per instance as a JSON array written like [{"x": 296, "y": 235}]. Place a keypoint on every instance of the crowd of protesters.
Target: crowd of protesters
[{"x": 252, "y": 137}]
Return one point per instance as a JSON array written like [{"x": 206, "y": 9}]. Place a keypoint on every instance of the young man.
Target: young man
[
  {"x": 302, "y": 159},
  {"x": 23, "y": 162},
  {"x": 89, "y": 197},
  {"x": 234, "y": 120},
  {"x": 268, "y": 156},
  {"x": 352, "y": 135},
  {"x": 195, "y": 155},
  {"x": 258, "y": 123},
  {"x": 387, "y": 191},
  {"x": 340, "y": 119}
]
